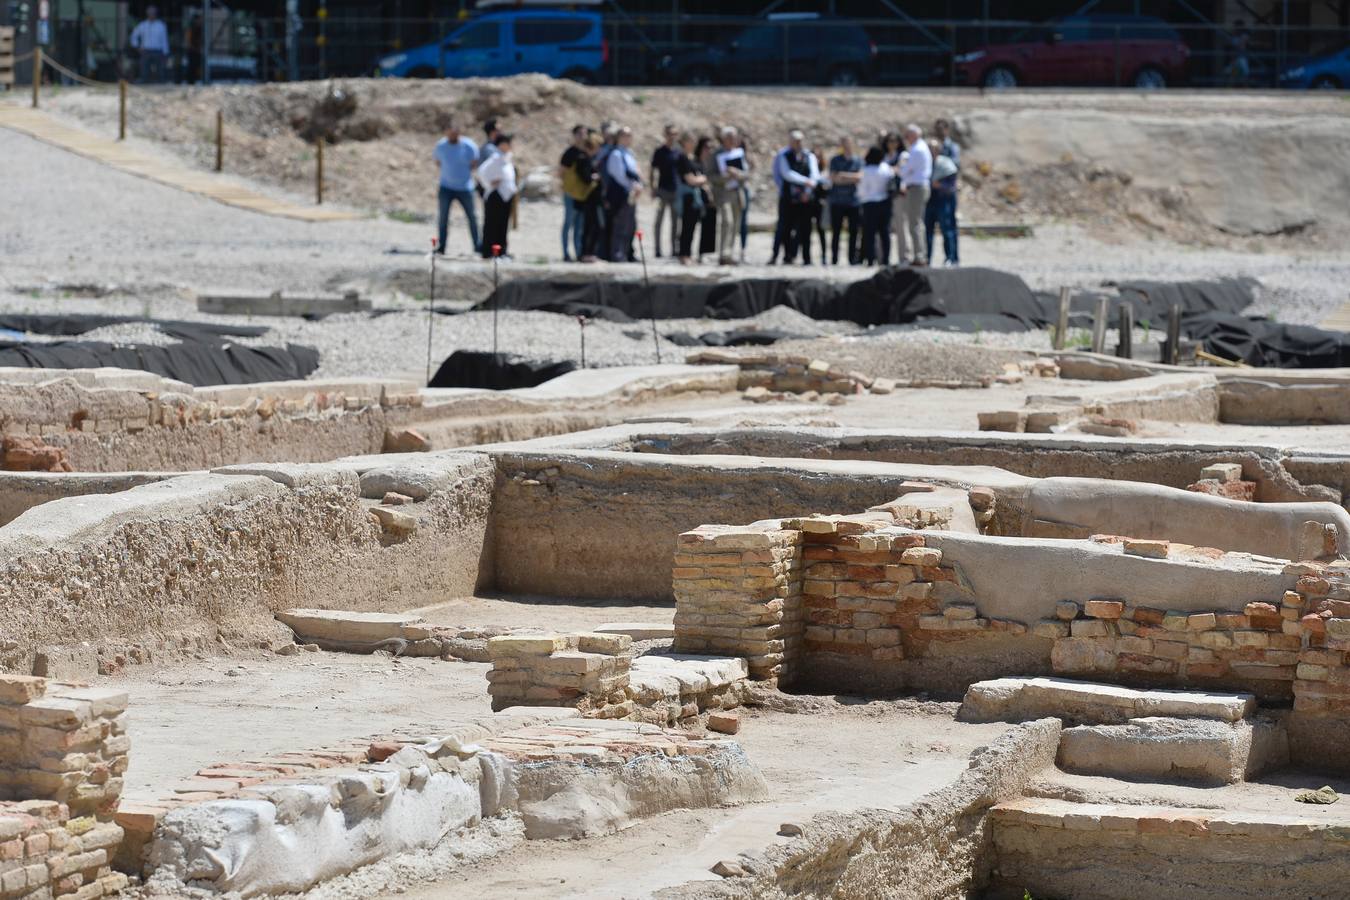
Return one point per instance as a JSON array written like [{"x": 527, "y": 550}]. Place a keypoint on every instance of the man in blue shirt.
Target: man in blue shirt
[{"x": 457, "y": 157}]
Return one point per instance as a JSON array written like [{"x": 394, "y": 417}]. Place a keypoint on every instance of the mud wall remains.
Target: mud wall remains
[
  {"x": 86, "y": 581},
  {"x": 604, "y": 525}
]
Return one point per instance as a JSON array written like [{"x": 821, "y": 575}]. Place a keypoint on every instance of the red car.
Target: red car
[{"x": 1081, "y": 50}]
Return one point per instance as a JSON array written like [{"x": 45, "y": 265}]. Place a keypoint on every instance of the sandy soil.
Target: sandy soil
[
  {"x": 838, "y": 756},
  {"x": 186, "y": 717}
]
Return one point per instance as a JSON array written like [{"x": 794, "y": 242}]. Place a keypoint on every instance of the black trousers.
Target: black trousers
[
  {"x": 496, "y": 222},
  {"x": 797, "y": 232},
  {"x": 779, "y": 227},
  {"x": 841, "y": 214},
  {"x": 877, "y": 232},
  {"x": 592, "y": 232},
  {"x": 690, "y": 219}
]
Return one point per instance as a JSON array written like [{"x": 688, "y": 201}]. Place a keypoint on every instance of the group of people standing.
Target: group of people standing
[
  {"x": 691, "y": 180},
  {"x": 903, "y": 188},
  {"x": 467, "y": 171}
]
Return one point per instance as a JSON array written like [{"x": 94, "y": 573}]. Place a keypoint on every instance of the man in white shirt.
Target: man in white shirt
[
  {"x": 916, "y": 175},
  {"x": 151, "y": 38},
  {"x": 625, "y": 184}
]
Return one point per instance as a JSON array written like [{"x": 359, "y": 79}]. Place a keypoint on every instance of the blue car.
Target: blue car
[
  {"x": 559, "y": 43},
  {"x": 1330, "y": 73}
]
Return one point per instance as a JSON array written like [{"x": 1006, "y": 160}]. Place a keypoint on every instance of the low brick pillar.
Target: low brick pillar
[
  {"x": 738, "y": 592},
  {"x": 62, "y": 742},
  {"x": 584, "y": 671}
]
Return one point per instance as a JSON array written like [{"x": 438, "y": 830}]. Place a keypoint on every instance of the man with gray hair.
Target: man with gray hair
[
  {"x": 916, "y": 175},
  {"x": 732, "y": 167}
]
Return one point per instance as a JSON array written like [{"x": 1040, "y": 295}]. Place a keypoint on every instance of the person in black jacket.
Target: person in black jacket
[{"x": 696, "y": 203}]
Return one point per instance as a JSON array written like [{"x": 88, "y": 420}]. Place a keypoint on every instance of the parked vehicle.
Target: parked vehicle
[
  {"x": 559, "y": 43},
  {"x": 804, "y": 47},
  {"x": 1081, "y": 50},
  {"x": 1330, "y": 72}
]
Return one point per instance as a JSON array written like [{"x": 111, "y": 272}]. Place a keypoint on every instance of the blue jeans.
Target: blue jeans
[
  {"x": 465, "y": 198},
  {"x": 571, "y": 230},
  {"x": 941, "y": 212}
]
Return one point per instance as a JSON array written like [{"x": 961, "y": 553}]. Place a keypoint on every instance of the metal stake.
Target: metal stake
[
  {"x": 431, "y": 309},
  {"x": 651, "y": 301},
  {"x": 496, "y": 301}
]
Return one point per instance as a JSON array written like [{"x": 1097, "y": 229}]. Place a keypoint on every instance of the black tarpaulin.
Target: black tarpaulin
[
  {"x": 198, "y": 363},
  {"x": 495, "y": 371},
  {"x": 74, "y": 324},
  {"x": 1261, "y": 342}
]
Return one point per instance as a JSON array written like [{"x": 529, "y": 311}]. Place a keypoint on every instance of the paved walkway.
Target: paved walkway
[{"x": 43, "y": 127}]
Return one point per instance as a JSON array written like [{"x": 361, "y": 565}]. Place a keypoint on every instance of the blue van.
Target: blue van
[{"x": 559, "y": 43}]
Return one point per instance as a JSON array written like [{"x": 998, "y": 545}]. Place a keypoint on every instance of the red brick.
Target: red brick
[{"x": 1147, "y": 615}]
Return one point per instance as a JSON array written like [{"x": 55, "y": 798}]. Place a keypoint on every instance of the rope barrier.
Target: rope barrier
[
  {"x": 18, "y": 59},
  {"x": 75, "y": 76}
]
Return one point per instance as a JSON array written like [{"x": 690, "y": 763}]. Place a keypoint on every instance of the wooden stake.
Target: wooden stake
[
  {"x": 1125, "y": 347},
  {"x": 318, "y": 172},
  {"x": 121, "y": 109},
  {"x": 1099, "y": 326},
  {"x": 1172, "y": 349},
  {"x": 1062, "y": 326},
  {"x": 220, "y": 141},
  {"x": 37, "y": 73}
]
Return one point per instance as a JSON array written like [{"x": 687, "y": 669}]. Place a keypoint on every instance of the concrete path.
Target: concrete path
[{"x": 39, "y": 125}]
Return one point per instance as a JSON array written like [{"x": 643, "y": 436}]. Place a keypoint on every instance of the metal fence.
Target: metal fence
[{"x": 676, "y": 50}]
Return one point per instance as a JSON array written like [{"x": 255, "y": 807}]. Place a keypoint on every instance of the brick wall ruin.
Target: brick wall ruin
[
  {"x": 62, "y": 424},
  {"x": 872, "y": 604},
  {"x": 63, "y": 750},
  {"x": 583, "y": 671}
]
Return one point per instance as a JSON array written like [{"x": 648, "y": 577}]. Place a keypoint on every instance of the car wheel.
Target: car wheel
[
  {"x": 422, "y": 72},
  {"x": 699, "y": 76},
  {"x": 1000, "y": 78},
  {"x": 580, "y": 76},
  {"x": 1325, "y": 83},
  {"x": 845, "y": 76},
  {"x": 1150, "y": 79}
]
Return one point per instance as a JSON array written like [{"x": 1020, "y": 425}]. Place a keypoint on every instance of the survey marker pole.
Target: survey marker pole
[
  {"x": 431, "y": 308},
  {"x": 651, "y": 301}
]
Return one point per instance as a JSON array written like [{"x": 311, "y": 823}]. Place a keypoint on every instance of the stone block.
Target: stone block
[
  {"x": 921, "y": 556},
  {"x": 1066, "y": 610},
  {"x": 1222, "y": 472},
  {"x": 1152, "y": 549},
  {"x": 20, "y": 689},
  {"x": 1104, "y": 609},
  {"x": 526, "y": 645},
  {"x": 610, "y": 644}
]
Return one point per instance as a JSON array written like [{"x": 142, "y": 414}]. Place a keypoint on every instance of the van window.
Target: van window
[
  {"x": 551, "y": 31},
  {"x": 482, "y": 36}
]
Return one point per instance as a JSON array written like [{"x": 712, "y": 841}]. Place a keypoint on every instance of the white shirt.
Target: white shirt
[
  {"x": 621, "y": 165},
  {"x": 782, "y": 172},
  {"x": 917, "y": 169},
  {"x": 500, "y": 168},
  {"x": 152, "y": 35},
  {"x": 875, "y": 184}
]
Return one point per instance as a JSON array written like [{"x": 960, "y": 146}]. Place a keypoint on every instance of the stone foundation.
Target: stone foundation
[{"x": 583, "y": 671}]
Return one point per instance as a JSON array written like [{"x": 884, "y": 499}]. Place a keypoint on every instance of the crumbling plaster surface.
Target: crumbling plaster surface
[
  {"x": 217, "y": 554},
  {"x": 1092, "y": 506},
  {"x": 1023, "y": 578}
]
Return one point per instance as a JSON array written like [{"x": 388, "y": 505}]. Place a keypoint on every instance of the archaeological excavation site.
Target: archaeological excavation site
[{"x": 333, "y": 570}]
